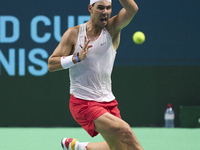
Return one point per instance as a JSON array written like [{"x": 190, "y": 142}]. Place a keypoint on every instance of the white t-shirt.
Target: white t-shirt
[{"x": 90, "y": 79}]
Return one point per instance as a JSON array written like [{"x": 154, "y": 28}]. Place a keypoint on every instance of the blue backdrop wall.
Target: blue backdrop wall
[{"x": 165, "y": 68}]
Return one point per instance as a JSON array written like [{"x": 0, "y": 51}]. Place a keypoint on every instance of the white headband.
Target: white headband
[{"x": 94, "y": 1}]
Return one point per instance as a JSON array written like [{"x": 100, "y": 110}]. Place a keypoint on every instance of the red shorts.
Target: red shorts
[{"x": 84, "y": 112}]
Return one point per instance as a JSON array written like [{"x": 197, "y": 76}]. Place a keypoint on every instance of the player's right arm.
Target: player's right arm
[{"x": 64, "y": 48}]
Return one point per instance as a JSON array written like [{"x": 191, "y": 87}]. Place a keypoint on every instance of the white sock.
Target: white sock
[{"x": 81, "y": 145}]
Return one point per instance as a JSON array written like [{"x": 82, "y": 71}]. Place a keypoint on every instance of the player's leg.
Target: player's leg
[
  {"x": 98, "y": 146},
  {"x": 117, "y": 133},
  {"x": 104, "y": 145}
]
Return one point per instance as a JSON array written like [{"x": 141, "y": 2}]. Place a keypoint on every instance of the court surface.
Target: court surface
[{"x": 50, "y": 138}]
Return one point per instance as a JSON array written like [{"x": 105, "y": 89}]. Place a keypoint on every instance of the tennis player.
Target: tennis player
[{"x": 89, "y": 50}]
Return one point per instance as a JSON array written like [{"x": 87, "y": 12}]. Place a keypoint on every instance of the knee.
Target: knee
[
  {"x": 128, "y": 137},
  {"x": 124, "y": 132}
]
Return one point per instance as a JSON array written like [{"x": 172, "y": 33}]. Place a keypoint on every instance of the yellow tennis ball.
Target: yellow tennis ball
[{"x": 138, "y": 37}]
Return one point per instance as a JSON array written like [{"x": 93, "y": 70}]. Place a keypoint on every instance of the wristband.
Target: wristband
[
  {"x": 66, "y": 61},
  {"x": 76, "y": 57}
]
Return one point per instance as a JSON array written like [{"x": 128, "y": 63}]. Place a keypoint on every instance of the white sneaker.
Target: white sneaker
[{"x": 68, "y": 143}]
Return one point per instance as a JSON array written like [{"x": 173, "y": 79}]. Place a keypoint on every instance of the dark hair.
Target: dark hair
[{"x": 93, "y": 4}]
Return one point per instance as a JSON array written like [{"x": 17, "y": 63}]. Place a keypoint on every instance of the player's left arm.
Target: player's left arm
[{"x": 125, "y": 15}]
